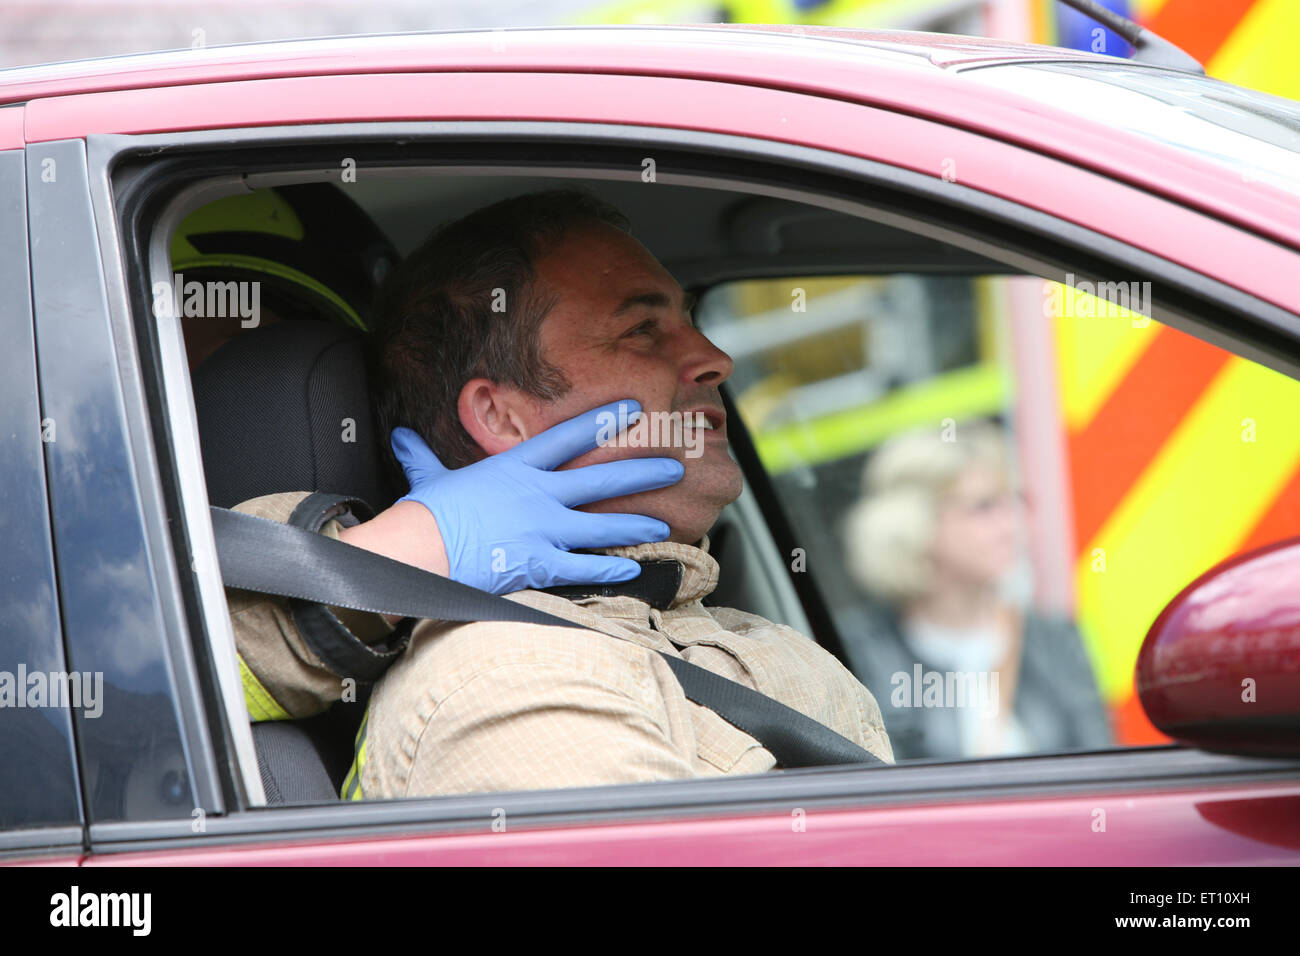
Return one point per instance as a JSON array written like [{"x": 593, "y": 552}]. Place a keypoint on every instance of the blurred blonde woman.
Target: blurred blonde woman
[{"x": 959, "y": 667}]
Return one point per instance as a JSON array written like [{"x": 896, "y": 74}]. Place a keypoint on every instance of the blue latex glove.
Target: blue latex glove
[{"x": 507, "y": 521}]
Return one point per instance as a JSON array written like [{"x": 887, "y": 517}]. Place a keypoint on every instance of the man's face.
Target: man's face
[{"x": 620, "y": 328}]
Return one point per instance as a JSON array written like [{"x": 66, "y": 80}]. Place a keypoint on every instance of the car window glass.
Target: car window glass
[
  {"x": 999, "y": 482},
  {"x": 1034, "y": 432}
]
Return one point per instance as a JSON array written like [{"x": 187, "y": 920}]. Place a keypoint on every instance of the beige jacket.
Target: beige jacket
[{"x": 493, "y": 706}]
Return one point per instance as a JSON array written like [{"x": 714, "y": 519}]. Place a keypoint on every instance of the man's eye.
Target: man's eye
[{"x": 645, "y": 328}]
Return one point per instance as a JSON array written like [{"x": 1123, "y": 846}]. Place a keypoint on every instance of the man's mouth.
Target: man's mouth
[{"x": 709, "y": 418}]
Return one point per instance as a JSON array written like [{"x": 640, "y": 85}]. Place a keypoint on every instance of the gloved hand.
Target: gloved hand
[{"x": 507, "y": 521}]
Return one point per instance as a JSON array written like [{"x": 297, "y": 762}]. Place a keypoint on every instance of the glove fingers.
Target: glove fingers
[
  {"x": 611, "y": 531},
  {"x": 581, "y": 486},
  {"x": 577, "y": 436},
  {"x": 415, "y": 456},
  {"x": 589, "y": 569}
]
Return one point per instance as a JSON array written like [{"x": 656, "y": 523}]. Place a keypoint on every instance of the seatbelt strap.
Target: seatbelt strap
[{"x": 257, "y": 554}]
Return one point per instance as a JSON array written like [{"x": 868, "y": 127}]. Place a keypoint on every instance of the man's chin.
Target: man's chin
[
  {"x": 695, "y": 512},
  {"x": 690, "y": 507}
]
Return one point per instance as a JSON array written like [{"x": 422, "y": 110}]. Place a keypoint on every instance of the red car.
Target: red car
[{"x": 906, "y": 161}]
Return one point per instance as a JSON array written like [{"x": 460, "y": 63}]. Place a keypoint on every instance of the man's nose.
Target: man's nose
[{"x": 705, "y": 363}]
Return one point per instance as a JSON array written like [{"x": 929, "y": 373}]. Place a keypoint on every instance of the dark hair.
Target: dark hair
[{"x": 466, "y": 305}]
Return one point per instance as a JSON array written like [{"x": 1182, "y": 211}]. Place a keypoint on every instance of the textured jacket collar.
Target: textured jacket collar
[{"x": 698, "y": 575}]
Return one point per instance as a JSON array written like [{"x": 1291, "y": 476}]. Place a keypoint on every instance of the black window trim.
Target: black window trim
[{"x": 1262, "y": 331}]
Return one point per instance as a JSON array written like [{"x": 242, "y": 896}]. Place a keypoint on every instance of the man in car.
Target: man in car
[
  {"x": 502, "y": 325},
  {"x": 309, "y": 254}
]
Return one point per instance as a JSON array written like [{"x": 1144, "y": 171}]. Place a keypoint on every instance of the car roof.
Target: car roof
[
  {"x": 731, "y": 49},
  {"x": 926, "y": 75}
]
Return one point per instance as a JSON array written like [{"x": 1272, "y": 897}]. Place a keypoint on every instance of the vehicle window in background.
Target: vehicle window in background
[{"x": 998, "y": 483}]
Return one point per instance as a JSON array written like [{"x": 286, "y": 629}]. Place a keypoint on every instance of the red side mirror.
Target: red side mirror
[{"x": 1220, "y": 667}]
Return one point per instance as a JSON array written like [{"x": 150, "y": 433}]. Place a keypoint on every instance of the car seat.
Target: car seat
[{"x": 286, "y": 408}]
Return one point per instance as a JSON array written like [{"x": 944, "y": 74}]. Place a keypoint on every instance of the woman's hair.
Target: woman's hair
[{"x": 891, "y": 529}]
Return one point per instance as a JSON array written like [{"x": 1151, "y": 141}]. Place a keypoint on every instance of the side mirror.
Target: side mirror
[{"x": 1220, "y": 667}]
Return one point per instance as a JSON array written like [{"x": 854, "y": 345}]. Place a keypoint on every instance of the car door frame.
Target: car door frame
[
  {"x": 1171, "y": 771},
  {"x": 30, "y": 620}
]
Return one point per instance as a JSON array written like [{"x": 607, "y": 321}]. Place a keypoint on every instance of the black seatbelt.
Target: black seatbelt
[{"x": 257, "y": 554}]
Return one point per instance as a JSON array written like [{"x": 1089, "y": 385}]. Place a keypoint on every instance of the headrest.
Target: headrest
[{"x": 286, "y": 407}]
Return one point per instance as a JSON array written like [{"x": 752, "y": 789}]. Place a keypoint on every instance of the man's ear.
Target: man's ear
[{"x": 491, "y": 413}]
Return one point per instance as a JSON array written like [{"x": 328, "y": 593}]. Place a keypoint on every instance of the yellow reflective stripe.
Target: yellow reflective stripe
[
  {"x": 1261, "y": 52},
  {"x": 992, "y": 302},
  {"x": 856, "y": 13},
  {"x": 261, "y": 705},
  {"x": 1095, "y": 355},
  {"x": 832, "y": 13},
  {"x": 1191, "y": 508},
  {"x": 352, "y": 783},
  {"x": 981, "y": 389},
  {"x": 644, "y": 11}
]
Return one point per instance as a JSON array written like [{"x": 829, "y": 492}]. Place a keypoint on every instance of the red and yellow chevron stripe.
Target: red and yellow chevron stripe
[
  {"x": 1180, "y": 455},
  {"x": 1166, "y": 479},
  {"x": 1251, "y": 43}
]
